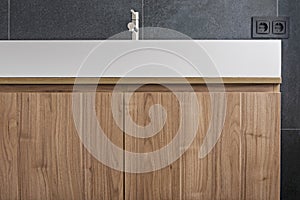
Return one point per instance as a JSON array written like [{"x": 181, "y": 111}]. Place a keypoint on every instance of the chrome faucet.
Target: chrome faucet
[{"x": 133, "y": 26}]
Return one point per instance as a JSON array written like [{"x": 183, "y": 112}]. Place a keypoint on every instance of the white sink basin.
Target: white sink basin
[{"x": 199, "y": 58}]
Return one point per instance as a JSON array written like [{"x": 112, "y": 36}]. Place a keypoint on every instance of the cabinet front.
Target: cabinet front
[{"x": 43, "y": 157}]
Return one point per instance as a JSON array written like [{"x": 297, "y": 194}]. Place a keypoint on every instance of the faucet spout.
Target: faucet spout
[{"x": 133, "y": 26}]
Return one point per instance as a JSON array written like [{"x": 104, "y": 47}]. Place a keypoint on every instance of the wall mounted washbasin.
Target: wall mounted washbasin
[{"x": 148, "y": 58}]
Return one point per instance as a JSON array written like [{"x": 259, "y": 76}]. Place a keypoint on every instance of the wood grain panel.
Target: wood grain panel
[
  {"x": 53, "y": 164},
  {"x": 261, "y": 146},
  {"x": 9, "y": 120},
  {"x": 102, "y": 182},
  {"x": 42, "y": 156},
  {"x": 217, "y": 176},
  {"x": 50, "y": 155},
  {"x": 165, "y": 183}
]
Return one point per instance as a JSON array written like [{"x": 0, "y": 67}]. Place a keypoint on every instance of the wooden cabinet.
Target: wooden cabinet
[
  {"x": 42, "y": 157},
  {"x": 9, "y": 142},
  {"x": 244, "y": 164},
  {"x": 41, "y": 154}
]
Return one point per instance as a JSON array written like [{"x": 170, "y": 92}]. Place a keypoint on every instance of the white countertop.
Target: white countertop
[{"x": 177, "y": 58}]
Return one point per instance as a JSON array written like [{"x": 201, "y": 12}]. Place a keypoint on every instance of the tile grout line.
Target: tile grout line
[
  {"x": 277, "y": 8},
  {"x": 290, "y": 129},
  {"x": 8, "y": 19},
  {"x": 143, "y": 20}
]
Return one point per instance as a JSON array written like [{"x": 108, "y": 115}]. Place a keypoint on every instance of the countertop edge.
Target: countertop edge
[{"x": 135, "y": 80}]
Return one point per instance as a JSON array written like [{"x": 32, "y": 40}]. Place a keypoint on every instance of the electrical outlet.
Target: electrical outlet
[
  {"x": 262, "y": 27},
  {"x": 270, "y": 27},
  {"x": 279, "y": 27}
]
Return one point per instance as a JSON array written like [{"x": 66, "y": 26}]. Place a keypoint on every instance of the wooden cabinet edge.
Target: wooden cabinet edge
[{"x": 137, "y": 80}]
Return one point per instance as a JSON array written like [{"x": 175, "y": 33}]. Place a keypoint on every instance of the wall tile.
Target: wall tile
[
  {"x": 290, "y": 173},
  {"x": 3, "y": 19},
  {"x": 208, "y": 19},
  {"x": 70, "y": 19},
  {"x": 291, "y": 66},
  {"x": 290, "y": 165}
]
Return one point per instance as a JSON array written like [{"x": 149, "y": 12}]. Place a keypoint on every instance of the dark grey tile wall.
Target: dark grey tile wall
[
  {"x": 291, "y": 66},
  {"x": 207, "y": 19},
  {"x": 70, "y": 19},
  {"x": 290, "y": 165},
  {"x": 290, "y": 179},
  {"x": 101, "y": 19},
  {"x": 3, "y": 19}
]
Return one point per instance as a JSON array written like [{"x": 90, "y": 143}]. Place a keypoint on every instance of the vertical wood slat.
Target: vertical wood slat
[
  {"x": 217, "y": 176},
  {"x": 9, "y": 120},
  {"x": 164, "y": 183},
  {"x": 50, "y": 155},
  {"x": 261, "y": 146},
  {"x": 53, "y": 162},
  {"x": 102, "y": 182}
]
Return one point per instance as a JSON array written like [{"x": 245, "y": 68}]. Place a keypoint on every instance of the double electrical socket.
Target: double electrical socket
[{"x": 270, "y": 27}]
